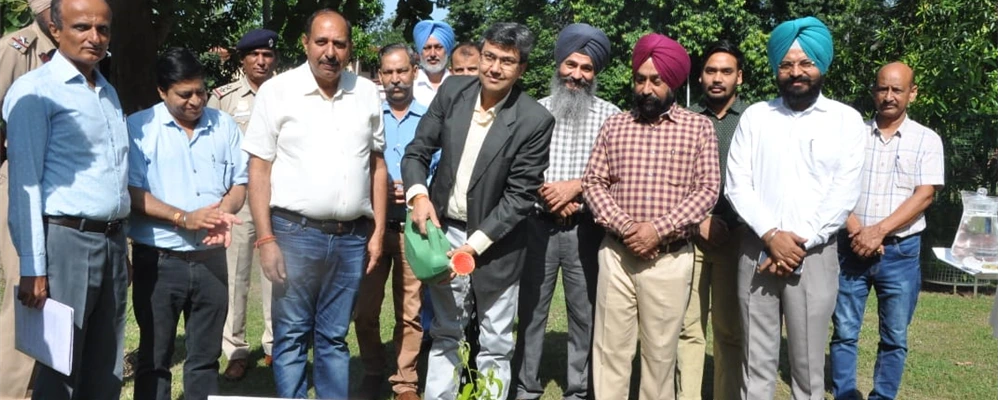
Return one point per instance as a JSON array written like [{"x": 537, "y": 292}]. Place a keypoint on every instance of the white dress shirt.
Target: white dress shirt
[
  {"x": 798, "y": 171},
  {"x": 320, "y": 148},
  {"x": 423, "y": 90},
  {"x": 482, "y": 121}
]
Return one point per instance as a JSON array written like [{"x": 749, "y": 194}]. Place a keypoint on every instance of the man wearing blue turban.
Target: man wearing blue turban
[
  {"x": 793, "y": 174},
  {"x": 434, "y": 41}
]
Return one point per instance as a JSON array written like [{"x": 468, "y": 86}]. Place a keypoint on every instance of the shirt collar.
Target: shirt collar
[
  {"x": 736, "y": 108},
  {"x": 164, "y": 118},
  {"x": 492, "y": 110},
  {"x": 307, "y": 82},
  {"x": 423, "y": 79},
  {"x": 670, "y": 115},
  {"x": 821, "y": 104},
  {"x": 483, "y": 117},
  {"x": 66, "y": 71},
  {"x": 907, "y": 125},
  {"x": 246, "y": 88},
  {"x": 416, "y": 109}
]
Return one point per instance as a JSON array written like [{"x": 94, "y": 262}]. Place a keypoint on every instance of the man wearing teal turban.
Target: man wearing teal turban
[
  {"x": 793, "y": 174},
  {"x": 434, "y": 41}
]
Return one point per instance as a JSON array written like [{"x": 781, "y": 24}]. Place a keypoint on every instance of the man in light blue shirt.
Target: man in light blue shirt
[
  {"x": 187, "y": 177},
  {"x": 68, "y": 198},
  {"x": 400, "y": 116}
]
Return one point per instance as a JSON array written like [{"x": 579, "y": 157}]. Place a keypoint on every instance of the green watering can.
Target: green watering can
[{"x": 427, "y": 255}]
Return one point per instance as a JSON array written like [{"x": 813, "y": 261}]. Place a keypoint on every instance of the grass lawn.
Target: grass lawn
[{"x": 953, "y": 354}]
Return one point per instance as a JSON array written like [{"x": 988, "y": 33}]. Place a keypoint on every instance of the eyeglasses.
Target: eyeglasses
[
  {"x": 805, "y": 65},
  {"x": 489, "y": 58}
]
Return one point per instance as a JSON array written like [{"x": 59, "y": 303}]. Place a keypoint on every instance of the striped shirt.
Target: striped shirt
[
  {"x": 911, "y": 157},
  {"x": 666, "y": 173},
  {"x": 572, "y": 141}
]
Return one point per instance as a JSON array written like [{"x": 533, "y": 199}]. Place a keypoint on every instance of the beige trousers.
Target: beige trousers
[
  {"x": 239, "y": 260},
  {"x": 713, "y": 291},
  {"x": 15, "y": 367},
  {"x": 644, "y": 300}
]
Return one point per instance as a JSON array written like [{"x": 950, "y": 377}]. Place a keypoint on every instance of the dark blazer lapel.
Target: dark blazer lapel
[
  {"x": 500, "y": 133},
  {"x": 459, "y": 122}
]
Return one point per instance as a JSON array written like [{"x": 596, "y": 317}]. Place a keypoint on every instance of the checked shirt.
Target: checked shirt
[
  {"x": 666, "y": 173},
  {"x": 572, "y": 141}
]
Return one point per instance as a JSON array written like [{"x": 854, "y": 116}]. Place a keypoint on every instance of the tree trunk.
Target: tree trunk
[{"x": 134, "y": 41}]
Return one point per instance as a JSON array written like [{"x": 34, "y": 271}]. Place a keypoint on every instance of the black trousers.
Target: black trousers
[{"x": 166, "y": 286}]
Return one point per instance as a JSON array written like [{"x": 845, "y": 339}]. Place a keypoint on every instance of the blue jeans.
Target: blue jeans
[
  {"x": 896, "y": 278},
  {"x": 314, "y": 305}
]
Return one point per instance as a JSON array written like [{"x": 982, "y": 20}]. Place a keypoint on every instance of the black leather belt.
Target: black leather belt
[
  {"x": 460, "y": 225},
  {"x": 395, "y": 225},
  {"x": 191, "y": 255},
  {"x": 329, "y": 227},
  {"x": 671, "y": 247},
  {"x": 895, "y": 239},
  {"x": 87, "y": 225}
]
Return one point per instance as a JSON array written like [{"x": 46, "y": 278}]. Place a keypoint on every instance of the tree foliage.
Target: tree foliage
[
  {"x": 205, "y": 27},
  {"x": 14, "y": 14}
]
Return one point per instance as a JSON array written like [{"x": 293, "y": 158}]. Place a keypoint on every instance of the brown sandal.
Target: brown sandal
[{"x": 236, "y": 370}]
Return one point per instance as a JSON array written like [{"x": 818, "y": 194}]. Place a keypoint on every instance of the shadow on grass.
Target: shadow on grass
[
  {"x": 785, "y": 370},
  {"x": 131, "y": 361}
]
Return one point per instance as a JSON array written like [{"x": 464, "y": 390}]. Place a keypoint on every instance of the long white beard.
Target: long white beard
[{"x": 570, "y": 105}]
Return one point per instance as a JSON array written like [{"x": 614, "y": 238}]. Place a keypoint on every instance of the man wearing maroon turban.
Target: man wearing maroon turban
[{"x": 652, "y": 177}]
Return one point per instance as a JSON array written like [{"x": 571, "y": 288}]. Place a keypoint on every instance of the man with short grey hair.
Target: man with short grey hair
[
  {"x": 494, "y": 142},
  {"x": 318, "y": 203},
  {"x": 23, "y": 50},
  {"x": 400, "y": 116}
]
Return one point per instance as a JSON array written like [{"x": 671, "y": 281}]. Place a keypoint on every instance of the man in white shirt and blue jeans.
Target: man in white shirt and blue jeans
[
  {"x": 318, "y": 193},
  {"x": 793, "y": 174}
]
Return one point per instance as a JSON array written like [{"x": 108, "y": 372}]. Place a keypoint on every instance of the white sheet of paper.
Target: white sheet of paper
[{"x": 45, "y": 335}]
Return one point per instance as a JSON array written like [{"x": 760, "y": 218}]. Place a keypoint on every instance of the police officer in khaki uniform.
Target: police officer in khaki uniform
[
  {"x": 21, "y": 51},
  {"x": 259, "y": 56}
]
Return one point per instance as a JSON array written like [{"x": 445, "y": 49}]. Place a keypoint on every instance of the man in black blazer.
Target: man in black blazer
[{"x": 494, "y": 143}]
